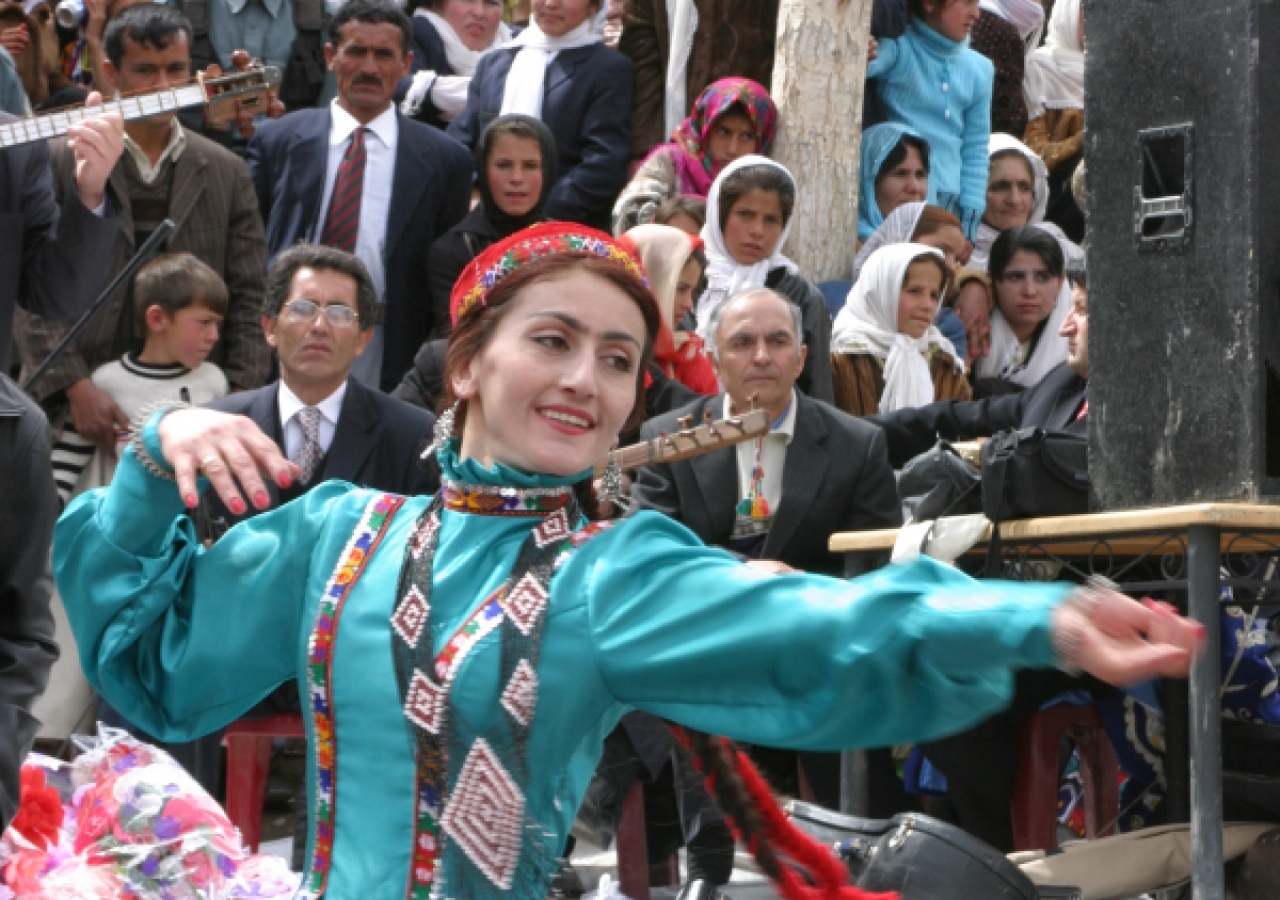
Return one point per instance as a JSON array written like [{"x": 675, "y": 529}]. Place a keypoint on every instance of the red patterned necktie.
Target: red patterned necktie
[{"x": 343, "y": 221}]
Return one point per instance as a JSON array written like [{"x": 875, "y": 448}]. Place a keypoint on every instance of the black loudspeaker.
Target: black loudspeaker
[{"x": 1183, "y": 199}]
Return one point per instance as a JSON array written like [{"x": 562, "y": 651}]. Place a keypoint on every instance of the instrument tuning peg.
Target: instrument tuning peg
[
  {"x": 666, "y": 440},
  {"x": 710, "y": 423},
  {"x": 685, "y": 421},
  {"x": 753, "y": 400}
]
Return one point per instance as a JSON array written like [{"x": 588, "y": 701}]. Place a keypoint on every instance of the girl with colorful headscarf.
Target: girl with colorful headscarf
[{"x": 732, "y": 118}]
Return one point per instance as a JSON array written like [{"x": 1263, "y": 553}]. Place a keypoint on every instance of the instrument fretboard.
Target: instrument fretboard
[{"x": 55, "y": 124}]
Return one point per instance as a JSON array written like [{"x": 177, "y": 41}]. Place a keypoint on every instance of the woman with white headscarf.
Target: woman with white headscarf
[
  {"x": 449, "y": 39},
  {"x": 559, "y": 71},
  {"x": 1054, "y": 88},
  {"x": 749, "y": 215},
  {"x": 1017, "y": 195},
  {"x": 1033, "y": 299},
  {"x": 886, "y": 352},
  {"x": 1027, "y": 16}
]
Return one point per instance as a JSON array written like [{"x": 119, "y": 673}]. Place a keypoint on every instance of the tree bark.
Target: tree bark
[{"x": 819, "y": 73}]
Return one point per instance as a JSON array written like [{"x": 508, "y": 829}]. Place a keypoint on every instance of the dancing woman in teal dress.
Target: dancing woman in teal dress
[{"x": 463, "y": 656}]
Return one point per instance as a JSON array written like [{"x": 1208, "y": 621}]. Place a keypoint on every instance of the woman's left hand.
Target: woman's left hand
[{"x": 1123, "y": 641}]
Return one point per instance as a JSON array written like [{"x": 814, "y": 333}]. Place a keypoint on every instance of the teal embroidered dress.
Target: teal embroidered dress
[{"x": 183, "y": 640}]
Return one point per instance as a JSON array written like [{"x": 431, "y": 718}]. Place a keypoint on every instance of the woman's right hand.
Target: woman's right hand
[{"x": 226, "y": 449}]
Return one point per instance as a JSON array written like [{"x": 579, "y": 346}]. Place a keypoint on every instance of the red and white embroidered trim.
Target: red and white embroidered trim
[
  {"x": 520, "y": 697},
  {"x": 525, "y": 603},
  {"x": 554, "y": 528},
  {"x": 424, "y": 705},
  {"x": 485, "y": 815},
  {"x": 411, "y": 616}
]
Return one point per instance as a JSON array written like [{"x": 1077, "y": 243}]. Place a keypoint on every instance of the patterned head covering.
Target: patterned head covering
[
  {"x": 714, "y": 102},
  {"x": 482, "y": 274}
]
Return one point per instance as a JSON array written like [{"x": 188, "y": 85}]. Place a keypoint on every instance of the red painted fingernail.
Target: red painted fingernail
[
  {"x": 237, "y": 506},
  {"x": 260, "y": 499},
  {"x": 285, "y": 480},
  {"x": 189, "y": 499}
]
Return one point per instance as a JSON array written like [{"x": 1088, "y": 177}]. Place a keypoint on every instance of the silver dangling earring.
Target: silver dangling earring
[
  {"x": 443, "y": 430},
  {"x": 611, "y": 488}
]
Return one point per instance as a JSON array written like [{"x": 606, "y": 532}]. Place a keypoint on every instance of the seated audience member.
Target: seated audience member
[
  {"x": 27, "y": 643},
  {"x": 1000, "y": 41},
  {"x": 777, "y": 499},
  {"x": 558, "y": 71},
  {"x": 680, "y": 47},
  {"x": 515, "y": 168},
  {"x": 332, "y": 426},
  {"x": 13, "y": 97},
  {"x": 1057, "y": 403},
  {"x": 894, "y": 171},
  {"x": 886, "y": 352},
  {"x": 167, "y": 171},
  {"x": 181, "y": 302},
  {"x": 674, "y": 264},
  {"x": 981, "y": 764},
  {"x": 449, "y": 39},
  {"x": 972, "y": 301},
  {"x": 917, "y": 223},
  {"x": 1032, "y": 300},
  {"x": 1054, "y": 88},
  {"x": 956, "y": 121},
  {"x": 359, "y": 176},
  {"x": 749, "y": 212},
  {"x": 733, "y": 118},
  {"x": 689, "y": 214},
  {"x": 1017, "y": 196}
]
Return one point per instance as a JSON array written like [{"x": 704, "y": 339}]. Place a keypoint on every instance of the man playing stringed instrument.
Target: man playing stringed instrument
[{"x": 167, "y": 172}]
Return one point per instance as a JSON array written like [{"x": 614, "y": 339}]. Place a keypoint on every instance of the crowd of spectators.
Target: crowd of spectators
[{"x": 308, "y": 280}]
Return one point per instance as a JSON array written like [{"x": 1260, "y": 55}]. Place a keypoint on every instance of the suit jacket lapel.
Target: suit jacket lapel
[
  {"x": 308, "y": 159},
  {"x": 1064, "y": 404},
  {"x": 562, "y": 67},
  {"x": 120, "y": 189},
  {"x": 717, "y": 476},
  {"x": 413, "y": 173},
  {"x": 806, "y": 466},
  {"x": 264, "y": 410},
  {"x": 354, "y": 438},
  {"x": 188, "y": 184}
]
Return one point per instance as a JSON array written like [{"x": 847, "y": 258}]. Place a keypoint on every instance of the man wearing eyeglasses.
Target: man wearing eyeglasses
[{"x": 318, "y": 315}]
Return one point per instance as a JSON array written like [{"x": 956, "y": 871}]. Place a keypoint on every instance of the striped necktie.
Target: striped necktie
[{"x": 342, "y": 224}]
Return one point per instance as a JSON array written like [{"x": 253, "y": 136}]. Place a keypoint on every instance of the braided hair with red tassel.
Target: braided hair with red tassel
[{"x": 789, "y": 857}]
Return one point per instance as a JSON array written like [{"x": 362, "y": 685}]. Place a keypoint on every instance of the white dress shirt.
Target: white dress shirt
[
  {"x": 330, "y": 409},
  {"x": 375, "y": 207},
  {"x": 773, "y": 456}
]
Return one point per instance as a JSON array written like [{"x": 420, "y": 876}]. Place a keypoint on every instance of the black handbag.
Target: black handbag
[
  {"x": 919, "y": 857},
  {"x": 1029, "y": 473},
  {"x": 940, "y": 482}
]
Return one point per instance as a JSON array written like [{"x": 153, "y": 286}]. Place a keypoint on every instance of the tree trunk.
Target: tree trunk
[{"x": 818, "y": 77}]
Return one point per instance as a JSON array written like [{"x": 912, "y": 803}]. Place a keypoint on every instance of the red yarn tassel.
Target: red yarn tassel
[{"x": 805, "y": 852}]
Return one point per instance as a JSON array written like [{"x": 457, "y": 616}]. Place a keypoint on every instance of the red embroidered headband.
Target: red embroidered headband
[{"x": 483, "y": 273}]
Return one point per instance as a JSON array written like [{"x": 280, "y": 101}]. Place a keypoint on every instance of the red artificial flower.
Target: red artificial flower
[{"x": 39, "y": 810}]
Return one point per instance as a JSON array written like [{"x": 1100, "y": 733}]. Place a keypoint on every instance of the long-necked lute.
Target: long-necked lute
[
  {"x": 222, "y": 97},
  {"x": 690, "y": 441}
]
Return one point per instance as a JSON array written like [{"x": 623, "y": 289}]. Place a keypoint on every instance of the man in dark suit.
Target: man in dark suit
[
  {"x": 775, "y": 501},
  {"x": 981, "y": 764},
  {"x": 317, "y": 316},
  {"x": 359, "y": 176},
  {"x": 167, "y": 172},
  {"x": 53, "y": 261}
]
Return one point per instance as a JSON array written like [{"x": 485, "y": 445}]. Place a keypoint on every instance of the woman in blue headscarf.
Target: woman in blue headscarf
[{"x": 894, "y": 171}]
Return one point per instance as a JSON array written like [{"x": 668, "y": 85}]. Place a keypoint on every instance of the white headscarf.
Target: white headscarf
[
  {"x": 526, "y": 81},
  {"x": 682, "y": 25},
  {"x": 1054, "y": 77},
  {"x": 869, "y": 324},
  {"x": 1050, "y": 350},
  {"x": 725, "y": 275},
  {"x": 897, "y": 228},
  {"x": 462, "y": 59},
  {"x": 1025, "y": 15},
  {"x": 987, "y": 235}
]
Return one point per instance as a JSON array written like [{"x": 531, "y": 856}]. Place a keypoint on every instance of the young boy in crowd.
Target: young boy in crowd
[{"x": 180, "y": 302}]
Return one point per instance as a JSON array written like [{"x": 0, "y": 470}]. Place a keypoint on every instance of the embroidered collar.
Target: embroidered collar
[{"x": 494, "y": 500}]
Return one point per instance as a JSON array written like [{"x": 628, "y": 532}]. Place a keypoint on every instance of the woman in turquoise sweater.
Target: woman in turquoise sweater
[
  {"x": 931, "y": 81},
  {"x": 464, "y": 656}
]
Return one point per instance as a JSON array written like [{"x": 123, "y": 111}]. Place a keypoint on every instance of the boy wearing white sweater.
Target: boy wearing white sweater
[{"x": 181, "y": 303}]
